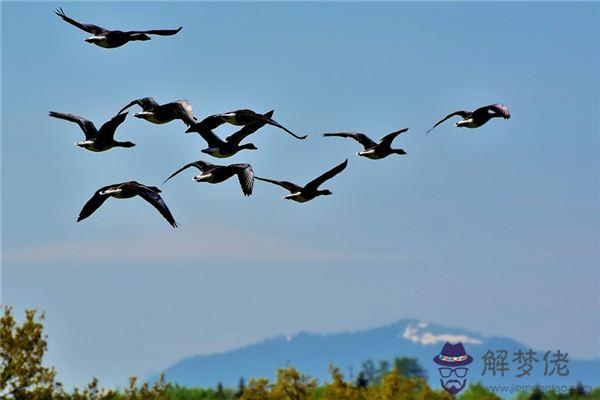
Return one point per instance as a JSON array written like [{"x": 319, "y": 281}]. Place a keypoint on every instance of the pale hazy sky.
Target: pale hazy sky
[{"x": 494, "y": 230}]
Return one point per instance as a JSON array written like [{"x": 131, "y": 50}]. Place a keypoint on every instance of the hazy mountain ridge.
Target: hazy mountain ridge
[{"x": 312, "y": 353}]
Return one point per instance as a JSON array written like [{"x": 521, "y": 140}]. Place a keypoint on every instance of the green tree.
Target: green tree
[
  {"x": 240, "y": 388},
  {"x": 409, "y": 367},
  {"x": 292, "y": 385},
  {"x": 476, "y": 391},
  {"x": 361, "y": 380},
  {"x": 369, "y": 371},
  {"x": 257, "y": 389},
  {"x": 22, "y": 348}
]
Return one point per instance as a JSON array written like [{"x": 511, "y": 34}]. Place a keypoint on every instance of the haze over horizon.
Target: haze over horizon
[{"x": 493, "y": 230}]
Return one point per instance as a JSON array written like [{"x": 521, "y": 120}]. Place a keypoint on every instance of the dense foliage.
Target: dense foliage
[{"x": 24, "y": 377}]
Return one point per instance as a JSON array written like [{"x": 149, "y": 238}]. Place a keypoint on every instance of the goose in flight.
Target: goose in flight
[
  {"x": 239, "y": 118},
  {"x": 212, "y": 173},
  {"x": 127, "y": 190},
  {"x": 163, "y": 113},
  {"x": 110, "y": 39},
  {"x": 474, "y": 119},
  {"x": 374, "y": 151},
  {"x": 220, "y": 148},
  {"x": 96, "y": 139},
  {"x": 311, "y": 189}
]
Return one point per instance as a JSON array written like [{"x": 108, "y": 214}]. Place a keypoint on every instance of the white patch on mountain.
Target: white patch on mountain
[{"x": 416, "y": 334}]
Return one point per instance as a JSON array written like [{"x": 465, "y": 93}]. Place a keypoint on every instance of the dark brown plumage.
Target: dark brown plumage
[
  {"x": 110, "y": 39},
  {"x": 127, "y": 190}
]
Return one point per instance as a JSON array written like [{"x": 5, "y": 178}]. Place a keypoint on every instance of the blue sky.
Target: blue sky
[{"x": 493, "y": 230}]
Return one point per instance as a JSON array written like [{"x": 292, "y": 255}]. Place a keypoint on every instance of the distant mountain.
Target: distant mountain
[{"x": 312, "y": 353}]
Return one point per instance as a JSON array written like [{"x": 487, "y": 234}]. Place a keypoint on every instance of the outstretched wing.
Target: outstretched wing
[
  {"x": 389, "y": 138},
  {"x": 183, "y": 110},
  {"x": 463, "y": 114},
  {"x": 245, "y": 176},
  {"x": 292, "y": 187},
  {"x": 146, "y": 103},
  {"x": 499, "y": 109},
  {"x": 361, "y": 138},
  {"x": 93, "y": 204},
  {"x": 201, "y": 165},
  {"x": 157, "y": 202},
  {"x": 277, "y": 124},
  {"x": 93, "y": 29},
  {"x": 211, "y": 138},
  {"x": 161, "y": 32},
  {"x": 207, "y": 124},
  {"x": 87, "y": 126},
  {"x": 247, "y": 130},
  {"x": 107, "y": 130},
  {"x": 315, "y": 183}
]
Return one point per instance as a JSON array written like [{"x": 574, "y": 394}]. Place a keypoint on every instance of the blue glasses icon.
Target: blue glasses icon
[{"x": 459, "y": 372}]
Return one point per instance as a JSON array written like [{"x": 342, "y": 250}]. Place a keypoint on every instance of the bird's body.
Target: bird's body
[
  {"x": 127, "y": 190},
  {"x": 373, "y": 150},
  {"x": 220, "y": 148},
  {"x": 163, "y": 113},
  {"x": 110, "y": 39},
  {"x": 477, "y": 118},
  {"x": 238, "y": 118},
  {"x": 212, "y": 173},
  {"x": 302, "y": 194},
  {"x": 96, "y": 140}
]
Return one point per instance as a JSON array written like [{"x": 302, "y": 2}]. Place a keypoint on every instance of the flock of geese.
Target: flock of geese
[{"x": 103, "y": 139}]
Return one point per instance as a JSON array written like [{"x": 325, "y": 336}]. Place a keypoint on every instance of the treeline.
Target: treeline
[{"x": 24, "y": 377}]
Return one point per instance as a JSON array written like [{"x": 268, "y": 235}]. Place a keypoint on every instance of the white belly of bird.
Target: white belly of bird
[
  {"x": 230, "y": 119},
  {"x": 150, "y": 117},
  {"x": 91, "y": 146},
  {"x": 102, "y": 43},
  {"x": 117, "y": 193},
  {"x": 296, "y": 197},
  {"x": 467, "y": 123},
  {"x": 369, "y": 154},
  {"x": 203, "y": 178},
  {"x": 216, "y": 152}
]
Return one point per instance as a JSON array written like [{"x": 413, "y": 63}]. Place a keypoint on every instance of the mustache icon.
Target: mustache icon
[
  {"x": 453, "y": 386},
  {"x": 453, "y": 382}
]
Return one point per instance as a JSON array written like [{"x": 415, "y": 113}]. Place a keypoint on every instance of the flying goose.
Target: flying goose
[
  {"x": 163, "y": 113},
  {"x": 239, "y": 118},
  {"x": 212, "y": 173},
  {"x": 126, "y": 190},
  {"x": 374, "y": 151},
  {"x": 311, "y": 189},
  {"x": 96, "y": 140},
  {"x": 110, "y": 39},
  {"x": 220, "y": 148},
  {"x": 474, "y": 119}
]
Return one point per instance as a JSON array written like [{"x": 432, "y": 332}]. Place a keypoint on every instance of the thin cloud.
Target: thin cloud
[{"x": 213, "y": 242}]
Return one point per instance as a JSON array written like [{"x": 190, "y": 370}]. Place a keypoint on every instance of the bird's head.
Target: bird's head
[
  {"x": 127, "y": 144},
  {"x": 249, "y": 146},
  {"x": 325, "y": 192}
]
